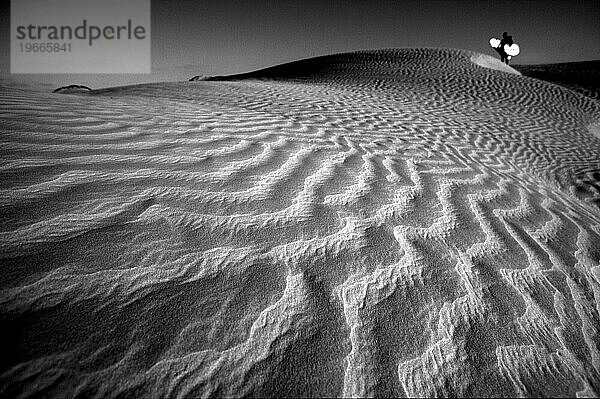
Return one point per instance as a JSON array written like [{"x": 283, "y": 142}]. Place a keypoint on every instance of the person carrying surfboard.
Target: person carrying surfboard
[
  {"x": 505, "y": 47},
  {"x": 506, "y": 39}
]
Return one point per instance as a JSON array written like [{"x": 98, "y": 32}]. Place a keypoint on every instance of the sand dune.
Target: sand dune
[
  {"x": 582, "y": 77},
  {"x": 416, "y": 222}
]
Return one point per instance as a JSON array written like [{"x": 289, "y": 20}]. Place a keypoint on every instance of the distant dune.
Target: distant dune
[
  {"x": 583, "y": 77},
  {"x": 414, "y": 222},
  {"x": 71, "y": 89}
]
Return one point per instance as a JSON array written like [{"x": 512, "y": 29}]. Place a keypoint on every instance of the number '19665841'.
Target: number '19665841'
[{"x": 45, "y": 47}]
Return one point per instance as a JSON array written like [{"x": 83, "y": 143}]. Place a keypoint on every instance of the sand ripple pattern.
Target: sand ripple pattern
[{"x": 380, "y": 223}]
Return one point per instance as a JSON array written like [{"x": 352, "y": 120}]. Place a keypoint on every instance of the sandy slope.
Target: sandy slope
[
  {"x": 583, "y": 77},
  {"x": 381, "y": 223}
]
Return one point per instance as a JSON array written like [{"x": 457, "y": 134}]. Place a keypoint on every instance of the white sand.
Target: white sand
[{"x": 419, "y": 222}]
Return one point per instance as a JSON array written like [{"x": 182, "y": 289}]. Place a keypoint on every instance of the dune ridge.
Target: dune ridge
[{"x": 411, "y": 222}]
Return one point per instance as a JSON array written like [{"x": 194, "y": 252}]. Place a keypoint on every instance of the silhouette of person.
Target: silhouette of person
[{"x": 506, "y": 39}]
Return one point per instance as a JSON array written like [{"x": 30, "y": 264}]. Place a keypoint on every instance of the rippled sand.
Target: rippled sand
[
  {"x": 582, "y": 77},
  {"x": 417, "y": 222}
]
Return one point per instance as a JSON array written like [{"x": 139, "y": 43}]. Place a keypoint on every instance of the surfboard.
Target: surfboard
[{"x": 512, "y": 51}]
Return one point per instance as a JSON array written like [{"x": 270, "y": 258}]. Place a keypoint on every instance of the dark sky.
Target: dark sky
[{"x": 227, "y": 36}]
